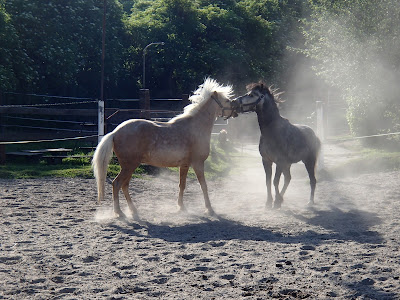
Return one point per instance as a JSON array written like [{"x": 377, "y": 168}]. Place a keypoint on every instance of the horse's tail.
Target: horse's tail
[
  {"x": 317, "y": 152},
  {"x": 317, "y": 146},
  {"x": 100, "y": 161}
]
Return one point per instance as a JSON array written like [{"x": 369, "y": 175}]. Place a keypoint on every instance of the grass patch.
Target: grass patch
[
  {"x": 370, "y": 160},
  {"x": 24, "y": 171},
  {"x": 217, "y": 164}
]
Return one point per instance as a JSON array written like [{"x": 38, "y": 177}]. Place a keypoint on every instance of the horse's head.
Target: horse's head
[
  {"x": 226, "y": 109},
  {"x": 257, "y": 95}
]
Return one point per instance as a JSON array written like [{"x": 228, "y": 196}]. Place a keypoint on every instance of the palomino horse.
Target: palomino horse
[
  {"x": 182, "y": 142},
  {"x": 281, "y": 142}
]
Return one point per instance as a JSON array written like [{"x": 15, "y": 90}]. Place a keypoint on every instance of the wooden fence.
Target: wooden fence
[{"x": 42, "y": 120}]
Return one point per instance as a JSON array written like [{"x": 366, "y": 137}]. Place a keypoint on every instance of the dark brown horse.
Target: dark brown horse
[{"x": 281, "y": 142}]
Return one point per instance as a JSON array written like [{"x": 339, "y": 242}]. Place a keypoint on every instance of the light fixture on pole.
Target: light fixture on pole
[{"x": 144, "y": 61}]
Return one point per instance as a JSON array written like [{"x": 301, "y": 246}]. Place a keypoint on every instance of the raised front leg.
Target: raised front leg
[
  {"x": 268, "y": 174},
  {"x": 199, "y": 170},
  {"x": 182, "y": 185}
]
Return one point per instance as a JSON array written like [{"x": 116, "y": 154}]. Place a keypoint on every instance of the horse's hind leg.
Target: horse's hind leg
[
  {"x": 268, "y": 174},
  {"x": 310, "y": 166},
  {"x": 183, "y": 170},
  {"x": 288, "y": 177},
  {"x": 119, "y": 181},
  {"x": 132, "y": 207},
  {"x": 199, "y": 170}
]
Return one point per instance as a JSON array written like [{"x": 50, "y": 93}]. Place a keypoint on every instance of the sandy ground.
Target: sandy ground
[{"x": 58, "y": 243}]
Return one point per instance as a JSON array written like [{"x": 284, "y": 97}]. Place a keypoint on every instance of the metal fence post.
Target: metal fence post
[
  {"x": 101, "y": 120},
  {"x": 144, "y": 104}
]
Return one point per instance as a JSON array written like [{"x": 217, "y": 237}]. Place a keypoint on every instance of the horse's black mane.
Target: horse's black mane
[{"x": 265, "y": 89}]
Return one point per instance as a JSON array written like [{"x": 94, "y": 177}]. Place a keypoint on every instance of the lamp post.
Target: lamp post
[{"x": 144, "y": 60}]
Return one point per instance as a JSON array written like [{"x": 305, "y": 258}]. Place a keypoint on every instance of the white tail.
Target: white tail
[{"x": 101, "y": 159}]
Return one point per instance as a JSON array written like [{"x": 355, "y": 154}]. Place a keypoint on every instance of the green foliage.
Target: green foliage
[
  {"x": 54, "y": 47},
  {"x": 61, "y": 42},
  {"x": 233, "y": 41},
  {"x": 355, "y": 46},
  {"x": 12, "y": 58}
]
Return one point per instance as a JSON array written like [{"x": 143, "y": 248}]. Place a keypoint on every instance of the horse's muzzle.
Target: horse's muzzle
[{"x": 237, "y": 106}]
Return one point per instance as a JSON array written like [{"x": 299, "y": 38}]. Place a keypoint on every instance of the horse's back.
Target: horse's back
[
  {"x": 311, "y": 138},
  {"x": 161, "y": 144}
]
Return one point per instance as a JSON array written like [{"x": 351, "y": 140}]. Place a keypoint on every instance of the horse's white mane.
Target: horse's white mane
[{"x": 203, "y": 93}]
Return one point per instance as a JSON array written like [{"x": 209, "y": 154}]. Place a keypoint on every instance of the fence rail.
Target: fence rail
[
  {"x": 47, "y": 118},
  {"x": 57, "y": 121}
]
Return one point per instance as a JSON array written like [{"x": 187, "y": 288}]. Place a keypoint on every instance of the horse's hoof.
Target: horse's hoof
[
  {"x": 135, "y": 217},
  {"x": 182, "y": 209},
  {"x": 119, "y": 215},
  {"x": 310, "y": 203},
  {"x": 268, "y": 205},
  {"x": 210, "y": 212},
  {"x": 277, "y": 205}
]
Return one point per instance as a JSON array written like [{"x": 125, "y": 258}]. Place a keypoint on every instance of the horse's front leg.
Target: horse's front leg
[
  {"x": 183, "y": 170},
  {"x": 199, "y": 170},
  {"x": 268, "y": 174},
  {"x": 278, "y": 196}
]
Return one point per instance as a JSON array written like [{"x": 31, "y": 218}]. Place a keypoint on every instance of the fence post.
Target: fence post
[
  {"x": 101, "y": 120},
  {"x": 2, "y": 147},
  {"x": 144, "y": 104},
  {"x": 185, "y": 100},
  {"x": 320, "y": 131}
]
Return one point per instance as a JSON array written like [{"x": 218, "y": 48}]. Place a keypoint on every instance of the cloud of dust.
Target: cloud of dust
[
  {"x": 352, "y": 63},
  {"x": 354, "y": 49},
  {"x": 104, "y": 214}
]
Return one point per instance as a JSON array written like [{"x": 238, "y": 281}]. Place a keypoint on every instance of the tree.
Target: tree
[
  {"x": 233, "y": 41},
  {"x": 355, "y": 44},
  {"x": 13, "y": 60},
  {"x": 56, "y": 45},
  {"x": 63, "y": 43}
]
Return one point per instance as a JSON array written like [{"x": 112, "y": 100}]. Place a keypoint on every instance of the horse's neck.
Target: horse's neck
[
  {"x": 204, "y": 118},
  {"x": 267, "y": 116}
]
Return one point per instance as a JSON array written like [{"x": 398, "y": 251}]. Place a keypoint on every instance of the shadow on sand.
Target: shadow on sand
[{"x": 353, "y": 225}]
